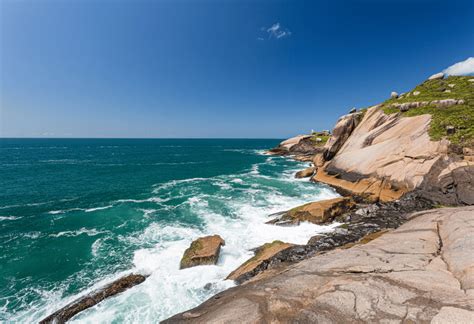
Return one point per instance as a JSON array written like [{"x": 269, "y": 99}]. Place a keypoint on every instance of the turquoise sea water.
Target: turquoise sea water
[{"x": 77, "y": 213}]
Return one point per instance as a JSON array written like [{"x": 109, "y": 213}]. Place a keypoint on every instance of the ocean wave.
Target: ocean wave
[
  {"x": 90, "y": 210},
  {"x": 87, "y": 210},
  {"x": 26, "y": 205},
  {"x": 4, "y": 218},
  {"x": 83, "y": 230}
]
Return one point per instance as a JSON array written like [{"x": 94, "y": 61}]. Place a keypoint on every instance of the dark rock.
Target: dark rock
[
  {"x": 450, "y": 130},
  {"x": 373, "y": 218},
  {"x": 93, "y": 298},
  {"x": 208, "y": 286}
]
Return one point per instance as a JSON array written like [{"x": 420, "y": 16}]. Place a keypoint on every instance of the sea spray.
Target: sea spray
[{"x": 90, "y": 239}]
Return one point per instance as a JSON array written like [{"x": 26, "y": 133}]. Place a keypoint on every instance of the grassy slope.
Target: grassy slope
[
  {"x": 324, "y": 139},
  {"x": 459, "y": 116}
]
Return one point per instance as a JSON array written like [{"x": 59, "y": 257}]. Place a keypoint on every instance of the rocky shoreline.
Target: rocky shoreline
[
  {"x": 390, "y": 167},
  {"x": 387, "y": 170}
]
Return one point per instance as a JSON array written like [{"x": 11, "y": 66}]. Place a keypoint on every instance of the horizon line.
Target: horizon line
[{"x": 190, "y": 138}]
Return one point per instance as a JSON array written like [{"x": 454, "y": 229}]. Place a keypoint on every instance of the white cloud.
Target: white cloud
[
  {"x": 461, "y": 68},
  {"x": 276, "y": 31}
]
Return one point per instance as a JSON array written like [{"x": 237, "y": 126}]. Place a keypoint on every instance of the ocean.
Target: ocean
[{"x": 78, "y": 213}]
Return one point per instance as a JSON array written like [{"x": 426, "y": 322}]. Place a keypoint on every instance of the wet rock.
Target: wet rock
[
  {"x": 308, "y": 172},
  {"x": 208, "y": 286},
  {"x": 93, "y": 298},
  {"x": 318, "y": 212},
  {"x": 259, "y": 262},
  {"x": 203, "y": 251}
]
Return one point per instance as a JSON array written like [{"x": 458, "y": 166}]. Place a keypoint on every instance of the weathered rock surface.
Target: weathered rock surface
[
  {"x": 449, "y": 182},
  {"x": 255, "y": 264},
  {"x": 421, "y": 272},
  {"x": 343, "y": 129},
  {"x": 306, "y": 173},
  {"x": 93, "y": 298},
  {"x": 204, "y": 250},
  {"x": 302, "y": 147},
  {"x": 384, "y": 157},
  {"x": 286, "y": 145},
  {"x": 317, "y": 212}
]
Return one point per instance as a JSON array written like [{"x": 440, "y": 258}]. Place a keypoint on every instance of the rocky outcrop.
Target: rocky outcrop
[
  {"x": 343, "y": 129},
  {"x": 444, "y": 103},
  {"x": 306, "y": 173},
  {"x": 93, "y": 298},
  {"x": 259, "y": 262},
  {"x": 384, "y": 157},
  {"x": 421, "y": 272},
  {"x": 318, "y": 212},
  {"x": 449, "y": 182},
  {"x": 203, "y": 251},
  {"x": 302, "y": 147}
]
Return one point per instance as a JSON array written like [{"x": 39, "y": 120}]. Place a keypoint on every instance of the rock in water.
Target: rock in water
[
  {"x": 308, "y": 172},
  {"x": 262, "y": 256},
  {"x": 436, "y": 76},
  {"x": 204, "y": 250},
  {"x": 93, "y": 298},
  {"x": 318, "y": 212}
]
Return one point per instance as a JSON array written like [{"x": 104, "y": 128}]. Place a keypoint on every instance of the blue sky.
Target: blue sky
[{"x": 273, "y": 69}]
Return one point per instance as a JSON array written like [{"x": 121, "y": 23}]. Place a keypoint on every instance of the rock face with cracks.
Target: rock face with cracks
[{"x": 421, "y": 272}]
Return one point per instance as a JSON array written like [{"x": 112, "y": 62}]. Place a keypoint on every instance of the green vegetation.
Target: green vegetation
[
  {"x": 190, "y": 252},
  {"x": 324, "y": 139},
  {"x": 459, "y": 116}
]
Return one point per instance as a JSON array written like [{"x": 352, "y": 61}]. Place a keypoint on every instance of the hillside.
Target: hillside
[{"x": 460, "y": 116}]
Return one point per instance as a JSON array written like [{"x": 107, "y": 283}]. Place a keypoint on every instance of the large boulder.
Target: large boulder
[
  {"x": 263, "y": 254},
  {"x": 203, "y": 251},
  {"x": 318, "y": 212},
  {"x": 436, "y": 76},
  {"x": 343, "y": 129},
  {"x": 308, "y": 172}
]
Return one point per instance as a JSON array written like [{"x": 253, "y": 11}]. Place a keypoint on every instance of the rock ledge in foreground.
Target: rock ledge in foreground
[
  {"x": 262, "y": 254},
  {"x": 203, "y": 251},
  {"x": 93, "y": 298}
]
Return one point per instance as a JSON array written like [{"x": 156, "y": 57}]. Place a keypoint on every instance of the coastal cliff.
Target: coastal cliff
[{"x": 396, "y": 258}]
